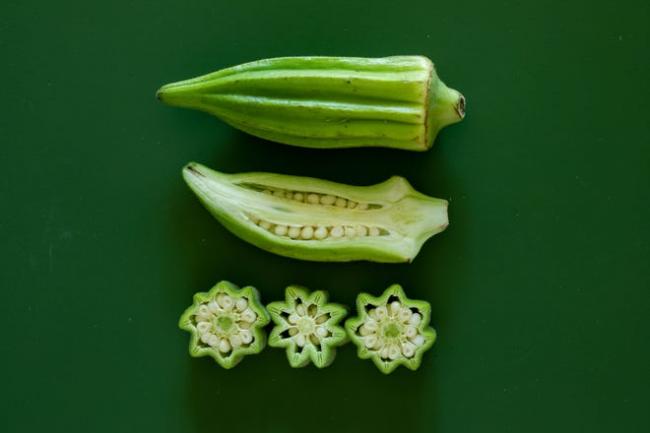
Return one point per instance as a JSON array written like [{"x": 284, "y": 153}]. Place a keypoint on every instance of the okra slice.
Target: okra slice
[
  {"x": 327, "y": 102},
  {"x": 313, "y": 219},
  {"x": 391, "y": 329},
  {"x": 226, "y": 323},
  {"x": 306, "y": 325}
]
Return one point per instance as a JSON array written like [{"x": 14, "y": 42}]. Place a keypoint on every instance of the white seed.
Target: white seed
[
  {"x": 327, "y": 199},
  {"x": 300, "y": 340},
  {"x": 405, "y": 314},
  {"x": 280, "y": 230},
  {"x": 352, "y": 204},
  {"x": 418, "y": 340},
  {"x": 363, "y": 330},
  {"x": 241, "y": 304},
  {"x": 350, "y": 232},
  {"x": 300, "y": 309},
  {"x": 395, "y": 307},
  {"x": 307, "y": 232},
  {"x": 411, "y": 332},
  {"x": 361, "y": 230},
  {"x": 312, "y": 198},
  {"x": 224, "y": 346},
  {"x": 370, "y": 341},
  {"x": 235, "y": 341},
  {"x": 288, "y": 195},
  {"x": 373, "y": 313},
  {"x": 320, "y": 232},
  {"x": 415, "y": 319},
  {"x": 298, "y": 196},
  {"x": 246, "y": 336},
  {"x": 321, "y": 331},
  {"x": 278, "y": 193},
  {"x": 362, "y": 206},
  {"x": 370, "y": 325},
  {"x": 381, "y": 312},
  {"x": 203, "y": 311},
  {"x": 293, "y": 318},
  {"x": 336, "y": 232},
  {"x": 373, "y": 231},
  {"x": 341, "y": 202},
  {"x": 384, "y": 352},
  {"x": 213, "y": 306},
  {"x": 214, "y": 341},
  {"x": 205, "y": 338},
  {"x": 243, "y": 325},
  {"x": 203, "y": 327},
  {"x": 265, "y": 225},
  {"x": 293, "y": 331},
  {"x": 248, "y": 315},
  {"x": 225, "y": 301},
  {"x": 294, "y": 232},
  {"x": 394, "y": 352},
  {"x": 408, "y": 349}
]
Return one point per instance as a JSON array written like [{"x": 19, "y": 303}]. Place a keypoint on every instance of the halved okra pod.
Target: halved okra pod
[
  {"x": 306, "y": 325},
  {"x": 313, "y": 219},
  {"x": 226, "y": 323},
  {"x": 328, "y": 102},
  {"x": 391, "y": 329}
]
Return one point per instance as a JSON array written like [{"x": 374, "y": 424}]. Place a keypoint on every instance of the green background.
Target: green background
[{"x": 540, "y": 287}]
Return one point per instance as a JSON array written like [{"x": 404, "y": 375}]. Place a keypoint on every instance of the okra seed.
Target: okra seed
[
  {"x": 393, "y": 352},
  {"x": 246, "y": 336},
  {"x": 371, "y": 325},
  {"x": 203, "y": 327},
  {"x": 405, "y": 315},
  {"x": 320, "y": 232},
  {"x": 415, "y": 319},
  {"x": 293, "y": 318},
  {"x": 395, "y": 307},
  {"x": 241, "y": 304},
  {"x": 370, "y": 341},
  {"x": 224, "y": 346},
  {"x": 411, "y": 332},
  {"x": 408, "y": 349},
  {"x": 384, "y": 352},
  {"x": 350, "y": 232},
  {"x": 213, "y": 306},
  {"x": 293, "y": 332},
  {"x": 265, "y": 225},
  {"x": 361, "y": 230},
  {"x": 294, "y": 232},
  {"x": 336, "y": 232},
  {"x": 249, "y": 315},
  {"x": 300, "y": 309},
  {"x": 267, "y": 191},
  {"x": 327, "y": 199},
  {"x": 214, "y": 341},
  {"x": 418, "y": 340},
  {"x": 341, "y": 202},
  {"x": 298, "y": 196},
  {"x": 312, "y": 198},
  {"x": 322, "y": 319},
  {"x": 321, "y": 331},
  {"x": 307, "y": 232},
  {"x": 288, "y": 195},
  {"x": 314, "y": 340},
  {"x": 278, "y": 193},
  {"x": 204, "y": 311},
  {"x": 364, "y": 331},
  {"x": 235, "y": 341},
  {"x": 280, "y": 230},
  {"x": 362, "y": 206},
  {"x": 225, "y": 301},
  {"x": 243, "y": 325},
  {"x": 373, "y": 314},
  {"x": 352, "y": 204},
  {"x": 205, "y": 338},
  {"x": 373, "y": 231},
  {"x": 300, "y": 340},
  {"x": 381, "y": 312}
]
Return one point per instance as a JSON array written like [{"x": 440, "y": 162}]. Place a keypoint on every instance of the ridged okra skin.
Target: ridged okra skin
[
  {"x": 307, "y": 326},
  {"x": 391, "y": 330},
  {"x": 327, "y": 102},
  {"x": 319, "y": 220}
]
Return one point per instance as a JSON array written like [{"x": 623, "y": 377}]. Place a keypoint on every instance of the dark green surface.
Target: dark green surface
[{"x": 540, "y": 287}]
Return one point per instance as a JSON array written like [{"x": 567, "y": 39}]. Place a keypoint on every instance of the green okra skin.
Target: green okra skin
[
  {"x": 306, "y": 325},
  {"x": 319, "y": 220},
  {"x": 391, "y": 330},
  {"x": 226, "y": 323},
  {"x": 327, "y": 102}
]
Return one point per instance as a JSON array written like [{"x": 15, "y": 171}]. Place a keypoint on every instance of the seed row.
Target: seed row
[
  {"x": 319, "y": 232},
  {"x": 314, "y": 198}
]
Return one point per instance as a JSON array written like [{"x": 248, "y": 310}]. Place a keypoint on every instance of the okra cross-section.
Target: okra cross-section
[
  {"x": 226, "y": 323},
  {"x": 313, "y": 219},
  {"x": 328, "y": 102},
  {"x": 307, "y": 326},
  {"x": 391, "y": 329}
]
